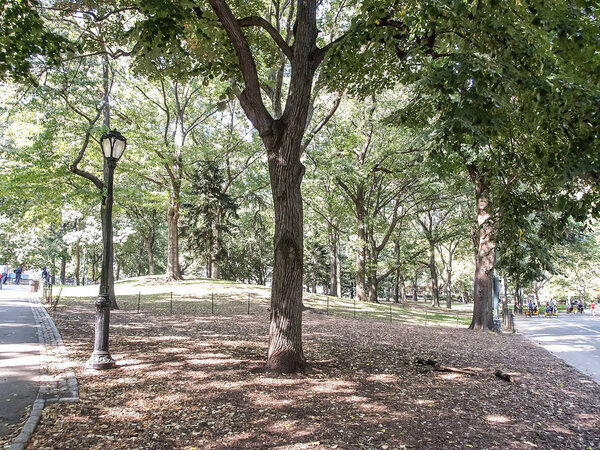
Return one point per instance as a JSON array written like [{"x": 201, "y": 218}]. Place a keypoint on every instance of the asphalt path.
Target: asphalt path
[
  {"x": 19, "y": 355},
  {"x": 575, "y": 338}
]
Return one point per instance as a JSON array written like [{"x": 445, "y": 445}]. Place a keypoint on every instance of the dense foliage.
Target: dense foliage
[{"x": 434, "y": 131}]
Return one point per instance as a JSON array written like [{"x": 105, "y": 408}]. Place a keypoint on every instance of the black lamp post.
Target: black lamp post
[{"x": 113, "y": 145}]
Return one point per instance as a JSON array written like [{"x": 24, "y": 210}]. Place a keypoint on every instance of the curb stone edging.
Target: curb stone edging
[{"x": 53, "y": 388}]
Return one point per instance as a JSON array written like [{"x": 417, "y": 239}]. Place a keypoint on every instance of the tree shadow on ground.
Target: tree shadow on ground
[{"x": 185, "y": 381}]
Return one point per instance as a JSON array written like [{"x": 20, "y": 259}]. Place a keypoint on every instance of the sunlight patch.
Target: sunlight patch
[
  {"x": 497, "y": 419},
  {"x": 451, "y": 376},
  {"x": 174, "y": 350},
  {"x": 213, "y": 361},
  {"x": 382, "y": 378}
]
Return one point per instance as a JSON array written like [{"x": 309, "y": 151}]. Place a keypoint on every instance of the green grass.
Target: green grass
[{"x": 205, "y": 296}]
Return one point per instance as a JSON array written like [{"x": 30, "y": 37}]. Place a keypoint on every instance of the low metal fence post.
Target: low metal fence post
[
  {"x": 171, "y": 302},
  {"x": 139, "y": 301},
  {"x": 212, "y": 303}
]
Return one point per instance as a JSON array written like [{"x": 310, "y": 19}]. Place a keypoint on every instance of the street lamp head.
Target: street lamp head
[{"x": 113, "y": 144}]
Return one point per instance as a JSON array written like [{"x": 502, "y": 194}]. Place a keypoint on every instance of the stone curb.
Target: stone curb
[{"x": 58, "y": 388}]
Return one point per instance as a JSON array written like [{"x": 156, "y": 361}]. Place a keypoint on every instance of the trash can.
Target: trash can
[{"x": 34, "y": 285}]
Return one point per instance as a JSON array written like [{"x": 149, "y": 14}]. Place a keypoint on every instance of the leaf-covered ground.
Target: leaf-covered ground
[{"x": 187, "y": 382}]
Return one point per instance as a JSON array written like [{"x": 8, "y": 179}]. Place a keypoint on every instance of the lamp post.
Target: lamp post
[{"x": 113, "y": 145}]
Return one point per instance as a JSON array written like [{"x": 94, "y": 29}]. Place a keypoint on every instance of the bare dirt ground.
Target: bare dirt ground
[{"x": 186, "y": 382}]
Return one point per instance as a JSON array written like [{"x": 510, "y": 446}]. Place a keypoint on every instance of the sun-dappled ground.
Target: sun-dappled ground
[{"x": 186, "y": 381}]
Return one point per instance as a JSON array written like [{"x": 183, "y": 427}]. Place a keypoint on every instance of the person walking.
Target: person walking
[
  {"x": 4, "y": 274},
  {"x": 18, "y": 272},
  {"x": 593, "y": 307},
  {"x": 45, "y": 275}
]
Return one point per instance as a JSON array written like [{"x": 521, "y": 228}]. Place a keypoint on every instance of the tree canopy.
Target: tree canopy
[{"x": 403, "y": 139}]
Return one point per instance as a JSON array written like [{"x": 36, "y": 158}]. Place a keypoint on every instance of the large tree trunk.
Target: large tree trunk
[
  {"x": 361, "y": 253},
  {"x": 338, "y": 263},
  {"x": 333, "y": 264},
  {"x": 285, "y": 337},
  {"x": 173, "y": 267},
  {"x": 94, "y": 265},
  {"x": 399, "y": 288},
  {"x": 175, "y": 175},
  {"x": 77, "y": 255},
  {"x": 435, "y": 290},
  {"x": 148, "y": 242},
  {"x": 282, "y": 138},
  {"x": 111, "y": 276},
  {"x": 506, "y": 322},
  {"x": 107, "y": 236},
  {"x": 416, "y": 287},
  {"x": 483, "y": 318},
  {"x": 215, "y": 262},
  {"x": 373, "y": 288},
  {"x": 517, "y": 304},
  {"x": 449, "y": 278},
  {"x": 63, "y": 270}
]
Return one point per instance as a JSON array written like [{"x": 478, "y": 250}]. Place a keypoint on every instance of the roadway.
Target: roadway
[
  {"x": 575, "y": 338},
  {"x": 19, "y": 355}
]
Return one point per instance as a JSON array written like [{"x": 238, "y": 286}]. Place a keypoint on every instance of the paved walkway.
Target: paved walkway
[
  {"x": 20, "y": 357},
  {"x": 35, "y": 367},
  {"x": 575, "y": 338}
]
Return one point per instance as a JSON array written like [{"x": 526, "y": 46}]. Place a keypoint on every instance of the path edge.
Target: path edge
[{"x": 52, "y": 348}]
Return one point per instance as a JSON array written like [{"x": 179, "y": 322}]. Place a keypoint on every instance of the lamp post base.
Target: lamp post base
[{"x": 100, "y": 360}]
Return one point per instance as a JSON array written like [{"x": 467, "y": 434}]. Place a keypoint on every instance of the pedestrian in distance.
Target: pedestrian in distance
[
  {"x": 18, "y": 272},
  {"x": 593, "y": 307},
  {"x": 45, "y": 275},
  {"x": 4, "y": 274}
]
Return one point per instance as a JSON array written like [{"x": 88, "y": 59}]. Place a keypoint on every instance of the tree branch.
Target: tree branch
[
  {"x": 255, "y": 21},
  {"x": 82, "y": 173},
  {"x": 323, "y": 122},
  {"x": 250, "y": 98}
]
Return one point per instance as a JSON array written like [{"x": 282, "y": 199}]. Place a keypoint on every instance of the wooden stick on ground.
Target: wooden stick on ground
[
  {"x": 504, "y": 376},
  {"x": 439, "y": 367}
]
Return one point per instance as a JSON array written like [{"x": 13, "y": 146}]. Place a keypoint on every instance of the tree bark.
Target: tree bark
[
  {"x": 449, "y": 277},
  {"x": 361, "y": 253},
  {"x": 215, "y": 262},
  {"x": 518, "y": 300},
  {"x": 77, "y": 254},
  {"x": 373, "y": 288},
  {"x": 435, "y": 291},
  {"x": 333, "y": 263},
  {"x": 63, "y": 270},
  {"x": 338, "y": 263},
  {"x": 285, "y": 336},
  {"x": 107, "y": 233},
  {"x": 282, "y": 138},
  {"x": 484, "y": 269},
  {"x": 506, "y": 322},
  {"x": 148, "y": 242},
  {"x": 416, "y": 287},
  {"x": 173, "y": 267}
]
